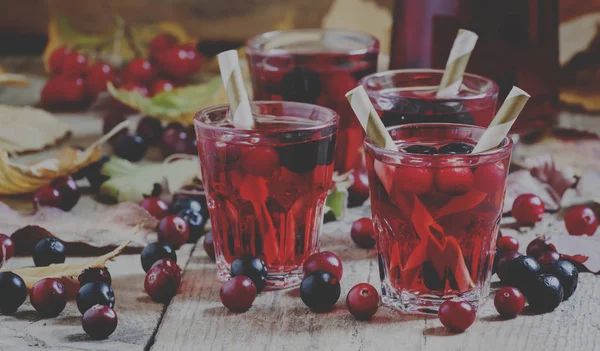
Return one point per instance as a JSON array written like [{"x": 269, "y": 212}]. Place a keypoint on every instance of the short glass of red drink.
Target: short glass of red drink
[
  {"x": 436, "y": 211},
  {"x": 266, "y": 187},
  {"x": 409, "y": 96}
]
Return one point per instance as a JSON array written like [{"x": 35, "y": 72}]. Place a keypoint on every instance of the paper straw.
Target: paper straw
[
  {"x": 457, "y": 63},
  {"x": 236, "y": 92},
  {"x": 369, "y": 119},
  {"x": 503, "y": 121}
]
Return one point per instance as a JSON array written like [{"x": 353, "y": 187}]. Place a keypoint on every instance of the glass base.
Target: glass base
[
  {"x": 275, "y": 280},
  {"x": 409, "y": 302}
]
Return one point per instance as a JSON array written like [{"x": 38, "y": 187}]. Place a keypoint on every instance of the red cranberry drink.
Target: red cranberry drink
[
  {"x": 409, "y": 96},
  {"x": 316, "y": 66},
  {"x": 266, "y": 187},
  {"x": 436, "y": 209}
]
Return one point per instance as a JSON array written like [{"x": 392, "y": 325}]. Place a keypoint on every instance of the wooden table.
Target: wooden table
[{"x": 196, "y": 320}]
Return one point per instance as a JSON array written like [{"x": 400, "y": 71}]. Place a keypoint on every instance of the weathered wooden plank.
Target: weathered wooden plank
[{"x": 280, "y": 321}]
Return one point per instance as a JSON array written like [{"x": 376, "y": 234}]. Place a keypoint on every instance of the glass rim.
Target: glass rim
[
  {"x": 496, "y": 153},
  {"x": 253, "y": 45},
  {"x": 332, "y": 118},
  {"x": 493, "y": 86}
]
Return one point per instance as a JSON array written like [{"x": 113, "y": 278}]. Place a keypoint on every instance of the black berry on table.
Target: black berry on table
[
  {"x": 253, "y": 268},
  {"x": 154, "y": 252},
  {"x": 13, "y": 292},
  {"x": 95, "y": 293},
  {"x": 320, "y": 291},
  {"x": 48, "y": 251}
]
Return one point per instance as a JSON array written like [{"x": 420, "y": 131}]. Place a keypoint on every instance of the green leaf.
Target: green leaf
[
  {"x": 129, "y": 181},
  {"x": 337, "y": 201}
]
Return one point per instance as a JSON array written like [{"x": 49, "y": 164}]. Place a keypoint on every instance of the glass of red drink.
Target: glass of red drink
[
  {"x": 316, "y": 66},
  {"x": 436, "y": 210},
  {"x": 409, "y": 96},
  {"x": 266, "y": 187}
]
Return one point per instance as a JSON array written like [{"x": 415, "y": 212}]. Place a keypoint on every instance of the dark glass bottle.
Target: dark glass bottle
[{"x": 518, "y": 45}]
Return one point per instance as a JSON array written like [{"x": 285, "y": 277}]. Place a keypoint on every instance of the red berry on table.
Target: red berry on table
[
  {"x": 457, "y": 315},
  {"x": 358, "y": 192},
  {"x": 138, "y": 70},
  {"x": 508, "y": 243},
  {"x": 179, "y": 62},
  {"x": 73, "y": 90},
  {"x": 171, "y": 267},
  {"x": 99, "y": 322},
  {"x": 47, "y": 196},
  {"x": 528, "y": 209},
  {"x": 161, "y": 283},
  {"x": 415, "y": 180},
  {"x": 546, "y": 257},
  {"x": 176, "y": 141},
  {"x": 537, "y": 246},
  {"x": 6, "y": 245},
  {"x": 324, "y": 261},
  {"x": 260, "y": 161},
  {"x": 173, "y": 230},
  {"x": 133, "y": 86},
  {"x": 74, "y": 64},
  {"x": 68, "y": 190},
  {"x": 161, "y": 43},
  {"x": 98, "y": 75},
  {"x": 487, "y": 177},
  {"x": 156, "y": 206},
  {"x": 362, "y": 301},
  {"x": 238, "y": 294},
  {"x": 161, "y": 85},
  {"x": 581, "y": 220},
  {"x": 49, "y": 297},
  {"x": 362, "y": 233},
  {"x": 509, "y": 302},
  {"x": 209, "y": 246},
  {"x": 454, "y": 180},
  {"x": 55, "y": 62},
  {"x": 63, "y": 92},
  {"x": 91, "y": 275}
]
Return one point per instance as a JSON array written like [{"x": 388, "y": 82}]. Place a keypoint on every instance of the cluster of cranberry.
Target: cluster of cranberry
[{"x": 75, "y": 83}]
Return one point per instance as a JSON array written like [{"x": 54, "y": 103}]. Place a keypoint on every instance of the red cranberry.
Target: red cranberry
[
  {"x": 537, "y": 246},
  {"x": 362, "y": 301},
  {"x": 362, "y": 233},
  {"x": 57, "y": 59},
  {"x": 49, "y": 297},
  {"x": 260, "y": 161},
  {"x": 238, "y": 294},
  {"x": 156, "y": 206},
  {"x": 150, "y": 129},
  {"x": 179, "y": 62},
  {"x": 161, "y": 283},
  {"x": 457, "y": 315},
  {"x": 209, "y": 246},
  {"x": 161, "y": 43},
  {"x": 170, "y": 266},
  {"x": 173, "y": 230},
  {"x": 99, "y": 322},
  {"x": 133, "y": 86},
  {"x": 509, "y": 302},
  {"x": 581, "y": 220},
  {"x": 95, "y": 275},
  {"x": 47, "y": 196},
  {"x": 324, "y": 261},
  {"x": 415, "y": 180},
  {"x": 98, "y": 75},
  {"x": 68, "y": 190},
  {"x": 487, "y": 177},
  {"x": 177, "y": 141},
  {"x": 547, "y": 257},
  {"x": 454, "y": 180},
  {"x": 6, "y": 245},
  {"x": 138, "y": 70},
  {"x": 74, "y": 64},
  {"x": 508, "y": 243},
  {"x": 161, "y": 86},
  {"x": 528, "y": 209},
  {"x": 358, "y": 192}
]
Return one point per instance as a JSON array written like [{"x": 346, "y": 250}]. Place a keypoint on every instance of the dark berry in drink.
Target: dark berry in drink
[
  {"x": 48, "y": 251},
  {"x": 362, "y": 233},
  {"x": 528, "y": 209},
  {"x": 68, "y": 190},
  {"x": 238, "y": 294},
  {"x": 454, "y": 180},
  {"x": 161, "y": 283},
  {"x": 99, "y": 322},
  {"x": 209, "y": 246},
  {"x": 362, "y": 301},
  {"x": 150, "y": 129},
  {"x": 581, "y": 220},
  {"x": 91, "y": 275},
  {"x": 130, "y": 147},
  {"x": 95, "y": 293},
  {"x": 6, "y": 246},
  {"x": 509, "y": 302},
  {"x": 156, "y": 206},
  {"x": 324, "y": 261},
  {"x": 320, "y": 291},
  {"x": 253, "y": 268},
  {"x": 421, "y": 149},
  {"x": 508, "y": 243},
  {"x": 519, "y": 272},
  {"x": 195, "y": 222},
  {"x": 457, "y": 315},
  {"x": 547, "y": 257},
  {"x": 13, "y": 292},
  {"x": 456, "y": 148},
  {"x": 544, "y": 293},
  {"x": 566, "y": 273},
  {"x": 293, "y": 156},
  {"x": 49, "y": 297},
  {"x": 301, "y": 84},
  {"x": 358, "y": 192},
  {"x": 173, "y": 230},
  {"x": 154, "y": 252}
]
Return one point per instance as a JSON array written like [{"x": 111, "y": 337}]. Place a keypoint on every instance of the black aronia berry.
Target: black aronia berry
[
  {"x": 319, "y": 291},
  {"x": 154, "y": 252},
  {"x": 544, "y": 293},
  {"x": 519, "y": 272},
  {"x": 301, "y": 84},
  {"x": 48, "y": 251},
  {"x": 567, "y": 274},
  {"x": 456, "y": 148},
  {"x": 95, "y": 293},
  {"x": 421, "y": 149},
  {"x": 13, "y": 292},
  {"x": 253, "y": 268}
]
